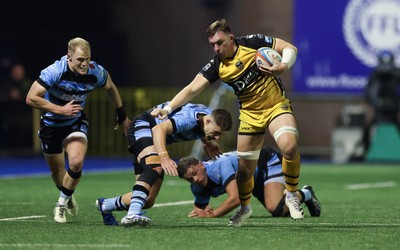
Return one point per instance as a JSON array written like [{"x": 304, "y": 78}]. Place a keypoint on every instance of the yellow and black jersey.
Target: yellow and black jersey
[{"x": 255, "y": 90}]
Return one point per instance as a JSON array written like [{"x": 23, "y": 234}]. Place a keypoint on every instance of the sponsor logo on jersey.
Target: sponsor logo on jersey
[
  {"x": 371, "y": 27},
  {"x": 239, "y": 65},
  {"x": 284, "y": 107},
  {"x": 205, "y": 68}
]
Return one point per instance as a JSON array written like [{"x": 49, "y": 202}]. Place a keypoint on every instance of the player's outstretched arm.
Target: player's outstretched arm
[
  {"x": 229, "y": 203},
  {"x": 194, "y": 88}
]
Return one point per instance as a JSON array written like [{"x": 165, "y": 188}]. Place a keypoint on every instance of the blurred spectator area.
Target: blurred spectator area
[
  {"x": 317, "y": 120},
  {"x": 152, "y": 49}
]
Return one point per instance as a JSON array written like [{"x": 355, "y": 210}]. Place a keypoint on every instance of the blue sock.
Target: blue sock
[
  {"x": 137, "y": 202},
  {"x": 112, "y": 204},
  {"x": 307, "y": 194}
]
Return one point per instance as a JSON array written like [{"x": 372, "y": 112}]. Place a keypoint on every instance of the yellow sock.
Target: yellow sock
[
  {"x": 291, "y": 172},
  {"x": 245, "y": 189}
]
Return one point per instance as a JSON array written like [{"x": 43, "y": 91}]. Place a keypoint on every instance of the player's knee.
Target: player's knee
[
  {"x": 149, "y": 176},
  {"x": 278, "y": 209},
  {"x": 289, "y": 151},
  {"x": 154, "y": 162},
  {"x": 149, "y": 203},
  {"x": 249, "y": 155},
  {"x": 287, "y": 143},
  {"x": 74, "y": 174},
  {"x": 75, "y": 162}
]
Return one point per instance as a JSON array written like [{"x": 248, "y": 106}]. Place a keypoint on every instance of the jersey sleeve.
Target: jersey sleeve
[
  {"x": 257, "y": 41},
  {"x": 210, "y": 70},
  {"x": 227, "y": 171},
  {"x": 100, "y": 73},
  {"x": 51, "y": 75}
]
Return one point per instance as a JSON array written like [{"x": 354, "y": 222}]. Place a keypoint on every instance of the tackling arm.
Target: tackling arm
[
  {"x": 198, "y": 84},
  {"x": 160, "y": 132}
]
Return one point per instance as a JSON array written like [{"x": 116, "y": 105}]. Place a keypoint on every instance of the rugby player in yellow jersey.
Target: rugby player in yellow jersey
[{"x": 263, "y": 106}]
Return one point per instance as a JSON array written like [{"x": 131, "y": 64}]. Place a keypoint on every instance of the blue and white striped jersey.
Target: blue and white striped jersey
[
  {"x": 63, "y": 86},
  {"x": 185, "y": 122}
]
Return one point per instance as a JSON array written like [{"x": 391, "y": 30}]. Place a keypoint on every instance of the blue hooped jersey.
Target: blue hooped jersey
[
  {"x": 222, "y": 171},
  {"x": 185, "y": 122},
  {"x": 63, "y": 86}
]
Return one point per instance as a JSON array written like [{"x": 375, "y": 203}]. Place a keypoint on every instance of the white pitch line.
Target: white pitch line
[
  {"x": 371, "y": 185},
  {"x": 64, "y": 246},
  {"x": 23, "y": 218},
  {"x": 167, "y": 204}
]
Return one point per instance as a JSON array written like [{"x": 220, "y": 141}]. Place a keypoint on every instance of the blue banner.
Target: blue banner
[{"x": 339, "y": 41}]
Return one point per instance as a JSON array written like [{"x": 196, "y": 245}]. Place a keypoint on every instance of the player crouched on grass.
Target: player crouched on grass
[
  {"x": 148, "y": 138},
  {"x": 216, "y": 177}
]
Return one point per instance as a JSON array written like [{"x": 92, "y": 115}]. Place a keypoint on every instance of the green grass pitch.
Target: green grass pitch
[{"x": 360, "y": 210}]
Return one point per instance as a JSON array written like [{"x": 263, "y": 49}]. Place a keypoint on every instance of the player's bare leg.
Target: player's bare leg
[
  {"x": 248, "y": 153},
  {"x": 284, "y": 130}
]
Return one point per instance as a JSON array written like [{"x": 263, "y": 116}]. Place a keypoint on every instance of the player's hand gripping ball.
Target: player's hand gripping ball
[{"x": 265, "y": 57}]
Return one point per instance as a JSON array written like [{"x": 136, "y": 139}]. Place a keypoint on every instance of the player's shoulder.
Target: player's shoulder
[
  {"x": 59, "y": 65},
  {"x": 255, "y": 40},
  {"x": 54, "y": 71},
  {"x": 95, "y": 68},
  {"x": 222, "y": 161},
  {"x": 197, "y": 108}
]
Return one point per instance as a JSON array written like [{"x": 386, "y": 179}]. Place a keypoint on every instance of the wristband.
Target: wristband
[
  {"x": 289, "y": 56},
  {"x": 168, "y": 109},
  {"x": 121, "y": 115},
  {"x": 163, "y": 153}
]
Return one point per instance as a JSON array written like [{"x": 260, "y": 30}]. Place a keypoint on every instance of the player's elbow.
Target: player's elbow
[{"x": 28, "y": 100}]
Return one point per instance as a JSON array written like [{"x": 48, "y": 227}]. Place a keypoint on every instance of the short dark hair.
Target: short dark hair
[
  {"x": 222, "y": 118},
  {"x": 185, "y": 163},
  {"x": 219, "y": 25}
]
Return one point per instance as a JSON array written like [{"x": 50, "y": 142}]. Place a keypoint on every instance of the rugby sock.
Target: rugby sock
[
  {"x": 139, "y": 196},
  {"x": 291, "y": 172},
  {"x": 245, "y": 189},
  {"x": 63, "y": 199},
  {"x": 112, "y": 204},
  {"x": 306, "y": 194},
  {"x": 65, "y": 196}
]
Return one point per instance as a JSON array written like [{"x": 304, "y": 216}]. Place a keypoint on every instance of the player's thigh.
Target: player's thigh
[
  {"x": 56, "y": 162},
  {"x": 147, "y": 151},
  {"x": 249, "y": 142}
]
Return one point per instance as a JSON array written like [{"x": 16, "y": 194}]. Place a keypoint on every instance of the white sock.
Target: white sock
[
  {"x": 245, "y": 208},
  {"x": 290, "y": 194},
  {"x": 63, "y": 201}
]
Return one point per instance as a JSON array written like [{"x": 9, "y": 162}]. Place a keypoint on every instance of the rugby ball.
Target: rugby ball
[{"x": 264, "y": 56}]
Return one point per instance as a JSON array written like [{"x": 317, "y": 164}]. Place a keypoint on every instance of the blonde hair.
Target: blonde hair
[{"x": 78, "y": 42}]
